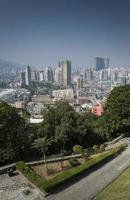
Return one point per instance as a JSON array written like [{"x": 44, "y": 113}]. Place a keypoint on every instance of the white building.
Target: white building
[
  {"x": 48, "y": 74},
  {"x": 28, "y": 75},
  {"x": 63, "y": 93},
  {"x": 58, "y": 76}
]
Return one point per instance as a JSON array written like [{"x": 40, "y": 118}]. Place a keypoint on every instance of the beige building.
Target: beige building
[
  {"x": 20, "y": 104},
  {"x": 63, "y": 93},
  {"x": 66, "y": 72}
]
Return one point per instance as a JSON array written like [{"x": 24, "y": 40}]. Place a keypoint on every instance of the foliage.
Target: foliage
[
  {"x": 84, "y": 155},
  {"x": 66, "y": 128},
  {"x": 77, "y": 149},
  {"x": 62, "y": 126},
  {"x": 13, "y": 136},
  {"x": 42, "y": 144},
  {"x": 96, "y": 148},
  {"x": 116, "y": 118},
  {"x": 74, "y": 162},
  {"x": 30, "y": 174},
  {"x": 102, "y": 148},
  {"x": 67, "y": 175}
]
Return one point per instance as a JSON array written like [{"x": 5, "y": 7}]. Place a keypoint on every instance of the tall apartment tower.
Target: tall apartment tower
[
  {"x": 66, "y": 72},
  {"x": 22, "y": 78},
  {"x": 101, "y": 63},
  {"x": 58, "y": 76},
  {"x": 28, "y": 75},
  {"x": 107, "y": 62},
  {"x": 48, "y": 74}
]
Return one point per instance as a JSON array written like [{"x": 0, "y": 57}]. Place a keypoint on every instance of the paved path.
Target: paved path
[
  {"x": 89, "y": 186},
  {"x": 13, "y": 188}
]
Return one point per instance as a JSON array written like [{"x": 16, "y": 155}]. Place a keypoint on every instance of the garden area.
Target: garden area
[
  {"x": 51, "y": 169},
  {"x": 48, "y": 178},
  {"x": 55, "y": 168}
]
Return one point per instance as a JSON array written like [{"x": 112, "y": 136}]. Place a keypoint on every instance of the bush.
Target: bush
[
  {"x": 95, "y": 148},
  {"x": 30, "y": 174},
  {"x": 67, "y": 175},
  {"x": 102, "y": 148},
  {"x": 74, "y": 162},
  {"x": 77, "y": 149},
  {"x": 84, "y": 155}
]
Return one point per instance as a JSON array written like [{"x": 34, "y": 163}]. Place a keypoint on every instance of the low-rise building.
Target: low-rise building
[{"x": 63, "y": 93}]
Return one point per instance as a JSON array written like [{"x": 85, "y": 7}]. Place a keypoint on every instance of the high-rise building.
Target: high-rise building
[
  {"x": 114, "y": 75},
  {"x": 58, "y": 76},
  {"x": 107, "y": 63},
  {"x": 101, "y": 63},
  {"x": 28, "y": 75},
  {"x": 104, "y": 75},
  {"x": 41, "y": 76},
  {"x": 66, "y": 72},
  {"x": 22, "y": 78},
  {"x": 78, "y": 81},
  {"x": 89, "y": 73},
  {"x": 48, "y": 74},
  {"x": 33, "y": 75},
  {"x": 37, "y": 76}
]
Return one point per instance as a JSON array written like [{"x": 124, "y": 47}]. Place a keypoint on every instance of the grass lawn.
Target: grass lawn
[{"x": 118, "y": 189}]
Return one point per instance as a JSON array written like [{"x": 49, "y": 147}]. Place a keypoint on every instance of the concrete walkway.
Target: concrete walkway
[{"x": 89, "y": 186}]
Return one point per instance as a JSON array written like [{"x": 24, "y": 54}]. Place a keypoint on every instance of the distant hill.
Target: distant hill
[{"x": 4, "y": 64}]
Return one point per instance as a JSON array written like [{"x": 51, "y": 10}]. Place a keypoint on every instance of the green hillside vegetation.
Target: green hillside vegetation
[{"x": 63, "y": 128}]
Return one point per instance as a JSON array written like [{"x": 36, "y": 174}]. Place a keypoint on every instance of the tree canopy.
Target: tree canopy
[
  {"x": 13, "y": 138},
  {"x": 116, "y": 118}
]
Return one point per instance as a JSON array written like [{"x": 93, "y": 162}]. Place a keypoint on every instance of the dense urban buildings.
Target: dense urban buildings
[{"x": 84, "y": 88}]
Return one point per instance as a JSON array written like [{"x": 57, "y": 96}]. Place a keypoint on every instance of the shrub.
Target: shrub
[
  {"x": 95, "y": 148},
  {"x": 30, "y": 174},
  {"x": 74, "y": 162},
  {"x": 84, "y": 155},
  {"x": 102, "y": 148},
  {"x": 77, "y": 149}
]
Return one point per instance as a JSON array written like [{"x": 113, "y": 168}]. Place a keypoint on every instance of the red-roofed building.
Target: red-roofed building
[{"x": 97, "y": 109}]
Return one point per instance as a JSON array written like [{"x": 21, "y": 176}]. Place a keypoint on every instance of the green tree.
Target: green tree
[
  {"x": 42, "y": 144},
  {"x": 13, "y": 137},
  {"x": 117, "y": 112}
]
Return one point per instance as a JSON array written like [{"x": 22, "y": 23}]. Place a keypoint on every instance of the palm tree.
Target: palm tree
[
  {"x": 42, "y": 144},
  {"x": 61, "y": 137}
]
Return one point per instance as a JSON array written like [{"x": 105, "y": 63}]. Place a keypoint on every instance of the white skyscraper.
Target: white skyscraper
[
  {"x": 41, "y": 76},
  {"x": 28, "y": 75},
  {"x": 58, "y": 76},
  {"x": 48, "y": 74}
]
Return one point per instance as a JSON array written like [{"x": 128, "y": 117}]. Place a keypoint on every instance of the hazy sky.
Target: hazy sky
[{"x": 40, "y": 32}]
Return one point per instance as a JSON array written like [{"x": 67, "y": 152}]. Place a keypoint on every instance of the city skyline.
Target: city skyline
[{"x": 40, "y": 33}]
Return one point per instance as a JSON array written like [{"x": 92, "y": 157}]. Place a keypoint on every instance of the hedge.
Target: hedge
[{"x": 60, "y": 179}]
